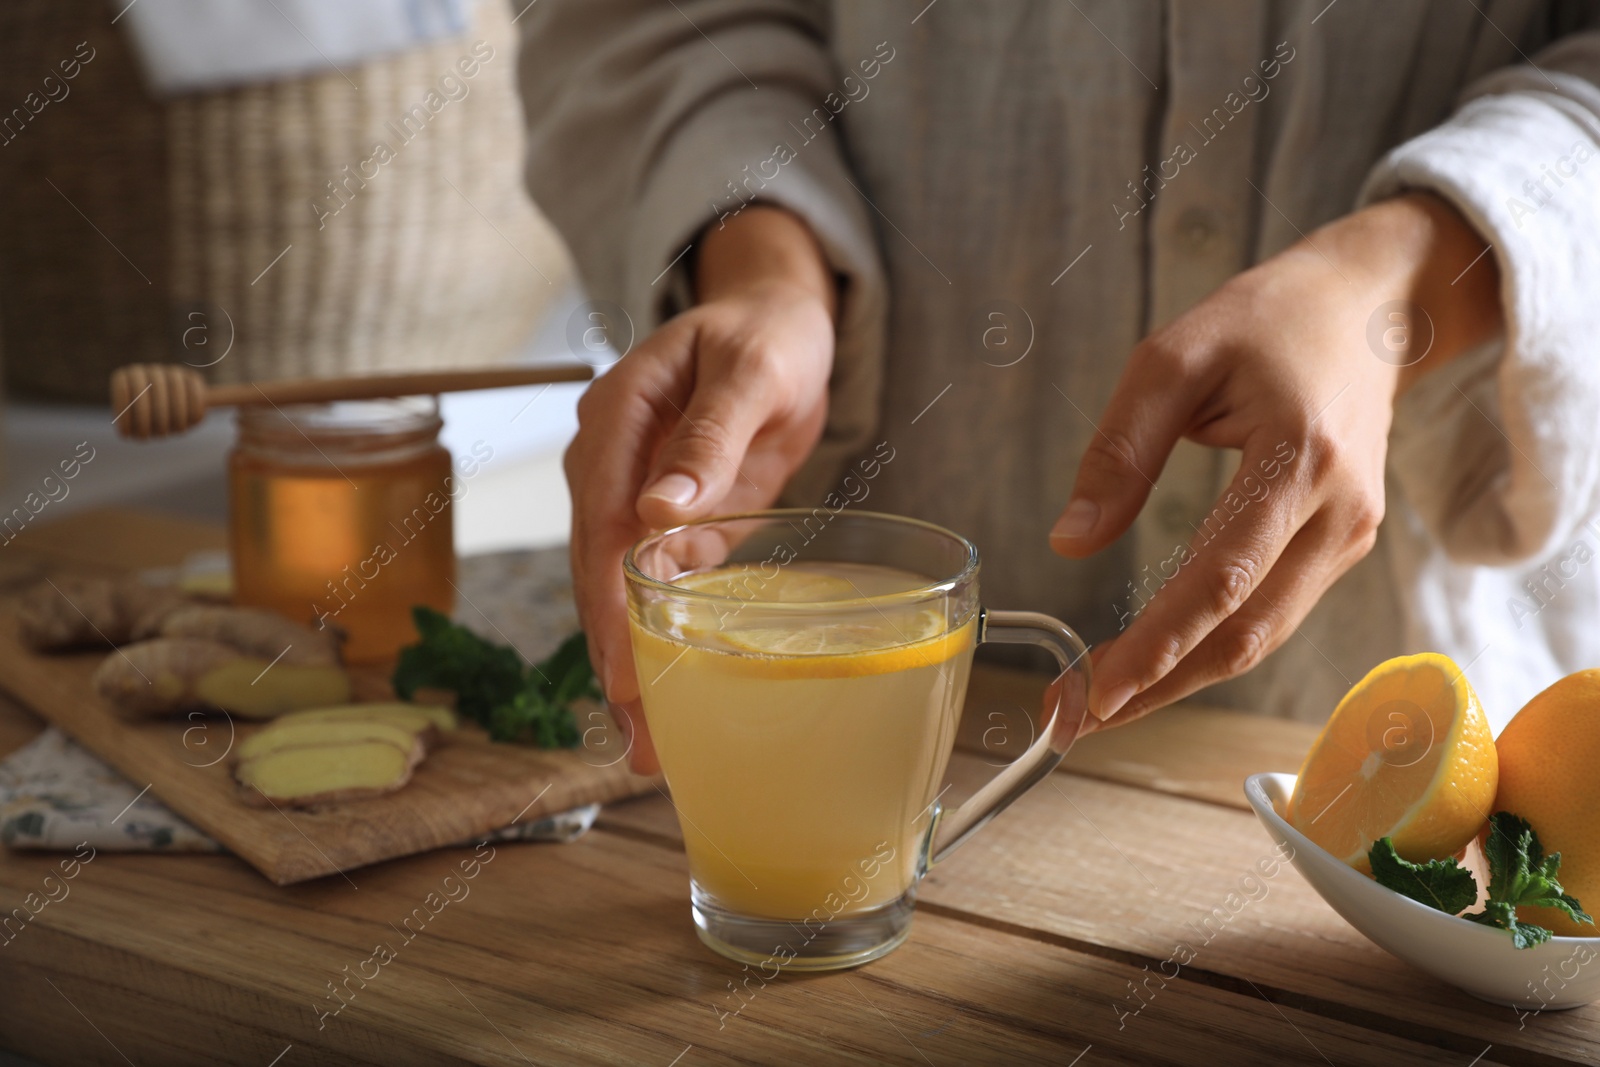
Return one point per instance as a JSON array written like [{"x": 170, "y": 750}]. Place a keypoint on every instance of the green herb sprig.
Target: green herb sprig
[
  {"x": 1519, "y": 874},
  {"x": 493, "y": 686}
]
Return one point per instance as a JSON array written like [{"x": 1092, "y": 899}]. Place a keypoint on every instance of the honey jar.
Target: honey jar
[{"x": 340, "y": 515}]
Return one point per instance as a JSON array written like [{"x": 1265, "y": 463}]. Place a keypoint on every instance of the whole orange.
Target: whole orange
[{"x": 1550, "y": 776}]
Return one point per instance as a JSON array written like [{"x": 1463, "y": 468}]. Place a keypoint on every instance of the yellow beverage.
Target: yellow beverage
[
  {"x": 340, "y": 515},
  {"x": 804, "y": 751},
  {"x": 355, "y": 547}
]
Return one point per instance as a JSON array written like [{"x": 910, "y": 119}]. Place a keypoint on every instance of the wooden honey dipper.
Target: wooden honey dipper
[{"x": 158, "y": 399}]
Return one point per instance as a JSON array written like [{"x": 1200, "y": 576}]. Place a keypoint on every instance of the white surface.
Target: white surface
[
  {"x": 1478, "y": 959},
  {"x": 525, "y": 421},
  {"x": 39, "y": 436},
  {"x": 520, "y": 503},
  {"x": 518, "y": 499}
]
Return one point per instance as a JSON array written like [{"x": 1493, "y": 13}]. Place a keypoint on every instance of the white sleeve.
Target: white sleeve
[{"x": 1500, "y": 457}]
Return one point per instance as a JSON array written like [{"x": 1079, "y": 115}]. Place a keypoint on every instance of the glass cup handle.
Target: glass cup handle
[{"x": 1071, "y": 689}]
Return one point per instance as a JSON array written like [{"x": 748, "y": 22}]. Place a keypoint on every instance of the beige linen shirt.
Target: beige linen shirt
[{"x": 1014, "y": 192}]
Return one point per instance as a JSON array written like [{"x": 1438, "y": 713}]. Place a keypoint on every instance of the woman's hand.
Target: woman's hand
[
  {"x": 1275, "y": 363},
  {"x": 710, "y": 414}
]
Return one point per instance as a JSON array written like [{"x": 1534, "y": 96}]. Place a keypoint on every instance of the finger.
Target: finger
[
  {"x": 701, "y": 461},
  {"x": 641, "y": 750},
  {"x": 1231, "y": 552},
  {"x": 605, "y": 465},
  {"x": 605, "y": 620},
  {"x": 1315, "y": 558},
  {"x": 1143, "y": 420},
  {"x": 600, "y": 592}
]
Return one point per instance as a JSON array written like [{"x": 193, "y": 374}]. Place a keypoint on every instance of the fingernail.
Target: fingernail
[
  {"x": 678, "y": 489},
  {"x": 1077, "y": 521},
  {"x": 1111, "y": 702}
]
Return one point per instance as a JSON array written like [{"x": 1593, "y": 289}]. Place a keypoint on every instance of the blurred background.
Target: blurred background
[{"x": 266, "y": 190}]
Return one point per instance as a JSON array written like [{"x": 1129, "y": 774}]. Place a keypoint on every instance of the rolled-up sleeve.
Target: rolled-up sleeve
[
  {"x": 1500, "y": 456},
  {"x": 648, "y": 122}
]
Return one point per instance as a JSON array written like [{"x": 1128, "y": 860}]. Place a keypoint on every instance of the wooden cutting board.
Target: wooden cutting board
[{"x": 466, "y": 788}]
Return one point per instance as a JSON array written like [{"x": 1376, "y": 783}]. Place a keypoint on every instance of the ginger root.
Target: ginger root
[
  {"x": 424, "y": 719},
  {"x": 252, "y": 631},
  {"x": 173, "y": 674},
  {"x": 259, "y": 689},
  {"x": 83, "y": 612},
  {"x": 336, "y": 753},
  {"x": 283, "y": 733},
  {"x": 302, "y": 776}
]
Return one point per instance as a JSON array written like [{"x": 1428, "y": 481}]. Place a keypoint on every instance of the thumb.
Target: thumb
[
  {"x": 1120, "y": 465},
  {"x": 700, "y": 460}
]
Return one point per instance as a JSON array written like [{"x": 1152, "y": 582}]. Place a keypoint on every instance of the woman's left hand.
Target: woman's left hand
[{"x": 1275, "y": 363}]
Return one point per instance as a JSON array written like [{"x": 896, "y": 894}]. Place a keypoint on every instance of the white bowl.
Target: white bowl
[{"x": 1564, "y": 972}]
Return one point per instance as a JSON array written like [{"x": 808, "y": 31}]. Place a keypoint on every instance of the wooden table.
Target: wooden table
[{"x": 1048, "y": 939}]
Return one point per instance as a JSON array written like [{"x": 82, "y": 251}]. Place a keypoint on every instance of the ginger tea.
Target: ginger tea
[{"x": 804, "y": 753}]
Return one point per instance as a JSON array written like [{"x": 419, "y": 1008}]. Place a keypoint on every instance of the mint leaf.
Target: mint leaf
[
  {"x": 1442, "y": 884},
  {"x": 543, "y": 705},
  {"x": 550, "y": 723},
  {"x": 1565, "y": 903},
  {"x": 1515, "y": 856},
  {"x": 1503, "y": 915},
  {"x": 480, "y": 673},
  {"x": 1521, "y": 874},
  {"x": 493, "y": 686}
]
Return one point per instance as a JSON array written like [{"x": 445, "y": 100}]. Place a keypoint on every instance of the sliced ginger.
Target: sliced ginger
[
  {"x": 252, "y": 663},
  {"x": 248, "y": 661},
  {"x": 308, "y": 775},
  {"x": 325, "y": 754},
  {"x": 284, "y": 734},
  {"x": 417, "y": 717},
  {"x": 171, "y": 674},
  {"x": 260, "y": 689},
  {"x": 155, "y": 677}
]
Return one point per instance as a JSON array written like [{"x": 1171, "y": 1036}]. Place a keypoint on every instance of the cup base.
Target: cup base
[{"x": 803, "y": 945}]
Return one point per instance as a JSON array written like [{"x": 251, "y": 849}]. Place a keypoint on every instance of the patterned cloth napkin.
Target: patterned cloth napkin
[{"x": 56, "y": 794}]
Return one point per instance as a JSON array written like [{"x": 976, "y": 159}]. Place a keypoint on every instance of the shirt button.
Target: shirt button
[{"x": 1197, "y": 229}]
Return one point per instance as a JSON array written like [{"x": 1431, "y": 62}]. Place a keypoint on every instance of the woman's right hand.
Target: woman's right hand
[{"x": 710, "y": 414}]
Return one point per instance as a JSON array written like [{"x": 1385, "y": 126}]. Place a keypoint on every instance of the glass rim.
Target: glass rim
[{"x": 936, "y": 587}]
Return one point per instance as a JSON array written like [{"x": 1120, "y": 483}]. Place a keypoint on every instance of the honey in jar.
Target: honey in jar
[{"x": 340, "y": 515}]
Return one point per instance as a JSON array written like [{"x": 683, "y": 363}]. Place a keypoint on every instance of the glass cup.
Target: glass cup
[{"x": 802, "y": 674}]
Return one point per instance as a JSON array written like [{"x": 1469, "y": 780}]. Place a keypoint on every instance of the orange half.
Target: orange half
[{"x": 1407, "y": 755}]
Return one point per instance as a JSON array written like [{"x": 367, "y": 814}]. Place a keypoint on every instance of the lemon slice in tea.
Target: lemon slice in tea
[
  {"x": 859, "y": 636},
  {"x": 858, "y": 639}
]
